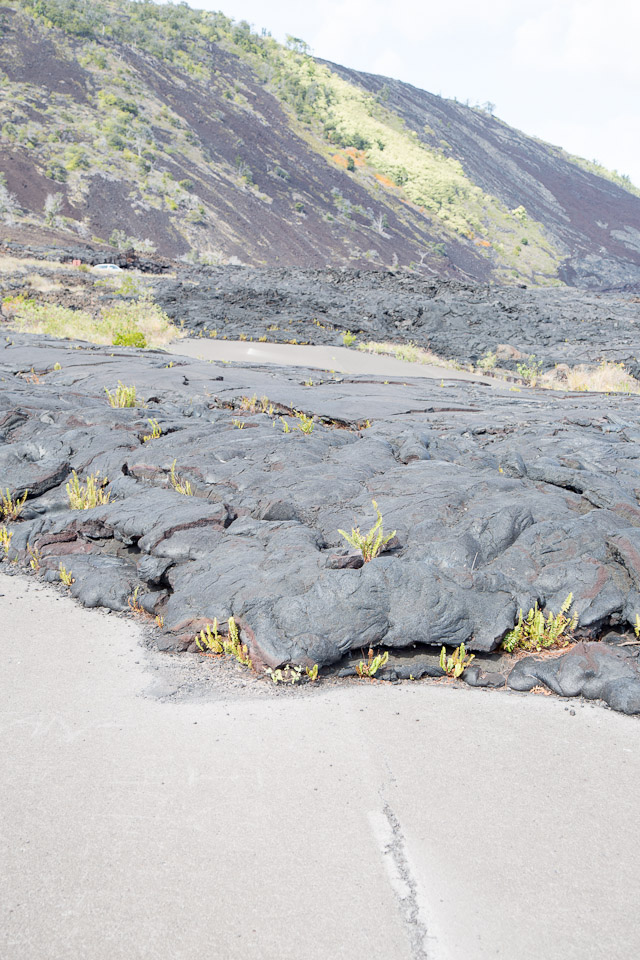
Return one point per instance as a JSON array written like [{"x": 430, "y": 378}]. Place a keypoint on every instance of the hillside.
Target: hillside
[{"x": 175, "y": 130}]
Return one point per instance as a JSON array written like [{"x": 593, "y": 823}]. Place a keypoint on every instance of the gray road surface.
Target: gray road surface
[
  {"x": 318, "y": 357},
  {"x": 377, "y": 822}
]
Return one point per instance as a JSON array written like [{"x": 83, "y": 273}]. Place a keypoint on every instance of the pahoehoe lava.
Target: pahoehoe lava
[{"x": 500, "y": 498}]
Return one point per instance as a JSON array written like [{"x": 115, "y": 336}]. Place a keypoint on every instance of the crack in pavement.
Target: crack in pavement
[{"x": 388, "y": 832}]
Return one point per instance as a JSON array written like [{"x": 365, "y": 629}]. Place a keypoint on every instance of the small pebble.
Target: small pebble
[{"x": 572, "y": 713}]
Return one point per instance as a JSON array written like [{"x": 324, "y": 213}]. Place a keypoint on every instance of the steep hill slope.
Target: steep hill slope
[
  {"x": 169, "y": 128},
  {"x": 588, "y": 214}
]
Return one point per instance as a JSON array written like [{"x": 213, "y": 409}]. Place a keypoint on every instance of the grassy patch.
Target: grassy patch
[
  {"x": 126, "y": 323},
  {"x": 436, "y": 184},
  {"x": 608, "y": 377},
  {"x": 409, "y": 353}
]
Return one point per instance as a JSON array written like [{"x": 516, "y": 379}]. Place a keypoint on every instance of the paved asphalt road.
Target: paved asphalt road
[
  {"x": 337, "y": 359},
  {"x": 370, "y": 822}
]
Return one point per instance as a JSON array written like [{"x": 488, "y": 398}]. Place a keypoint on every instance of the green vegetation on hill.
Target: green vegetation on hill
[
  {"x": 125, "y": 129},
  {"x": 592, "y": 166},
  {"x": 352, "y": 118}
]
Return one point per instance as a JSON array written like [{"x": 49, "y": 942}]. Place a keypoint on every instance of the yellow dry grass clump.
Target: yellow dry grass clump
[
  {"x": 140, "y": 322},
  {"x": 409, "y": 353},
  {"x": 608, "y": 377}
]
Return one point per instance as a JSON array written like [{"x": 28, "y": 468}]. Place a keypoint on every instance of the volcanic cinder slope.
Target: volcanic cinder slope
[{"x": 160, "y": 125}]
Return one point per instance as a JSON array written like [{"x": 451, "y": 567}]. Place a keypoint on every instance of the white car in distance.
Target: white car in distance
[{"x": 106, "y": 268}]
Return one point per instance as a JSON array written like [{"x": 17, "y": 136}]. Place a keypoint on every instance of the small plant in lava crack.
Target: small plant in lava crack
[
  {"x": 34, "y": 557},
  {"x": 292, "y": 673},
  {"x": 370, "y": 666},
  {"x": 5, "y": 540},
  {"x": 210, "y": 641},
  {"x": 306, "y": 423},
  {"x": 65, "y": 575},
  {"x": 253, "y": 405},
  {"x": 531, "y": 370},
  {"x": 348, "y": 338},
  {"x": 535, "y": 632},
  {"x": 156, "y": 430},
  {"x": 11, "y": 507},
  {"x": 488, "y": 361},
  {"x": 636, "y": 629},
  {"x": 134, "y": 604},
  {"x": 92, "y": 493},
  {"x": 238, "y": 424},
  {"x": 180, "y": 486},
  {"x": 456, "y": 663},
  {"x": 371, "y": 543},
  {"x": 122, "y": 396}
]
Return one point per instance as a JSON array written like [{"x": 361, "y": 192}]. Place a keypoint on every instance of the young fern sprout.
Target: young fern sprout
[
  {"x": 535, "y": 632},
  {"x": 5, "y": 540},
  {"x": 180, "y": 486},
  {"x": 156, "y": 430},
  {"x": 292, "y": 673},
  {"x": 369, "y": 544},
  {"x": 65, "y": 575},
  {"x": 370, "y": 666},
  {"x": 84, "y": 496},
  {"x": 306, "y": 423},
  {"x": 122, "y": 396},
  {"x": 453, "y": 665},
  {"x": 11, "y": 507},
  {"x": 209, "y": 640}
]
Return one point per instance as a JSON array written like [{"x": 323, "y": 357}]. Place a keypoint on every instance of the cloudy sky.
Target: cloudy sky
[{"x": 567, "y": 71}]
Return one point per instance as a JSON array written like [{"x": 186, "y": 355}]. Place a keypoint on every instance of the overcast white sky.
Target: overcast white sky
[{"x": 567, "y": 71}]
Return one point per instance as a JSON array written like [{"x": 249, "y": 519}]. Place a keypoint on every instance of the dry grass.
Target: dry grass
[
  {"x": 12, "y": 264},
  {"x": 608, "y": 377},
  {"x": 137, "y": 317},
  {"x": 409, "y": 353},
  {"x": 42, "y": 284}
]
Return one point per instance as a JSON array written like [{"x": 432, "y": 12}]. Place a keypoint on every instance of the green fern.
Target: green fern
[
  {"x": 535, "y": 632},
  {"x": 180, "y": 486},
  {"x": 369, "y": 544},
  {"x": 122, "y": 396},
  {"x": 370, "y": 666},
  {"x": 457, "y": 662},
  {"x": 84, "y": 496},
  {"x": 210, "y": 640},
  {"x": 11, "y": 507}
]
